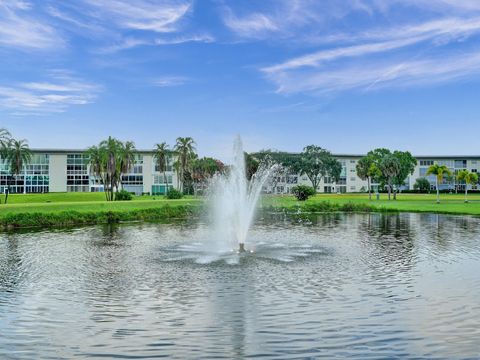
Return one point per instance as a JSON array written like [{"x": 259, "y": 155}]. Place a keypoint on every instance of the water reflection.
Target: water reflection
[{"x": 336, "y": 285}]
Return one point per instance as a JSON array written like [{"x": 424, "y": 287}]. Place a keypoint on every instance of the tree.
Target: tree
[
  {"x": 162, "y": 153},
  {"x": 470, "y": 178},
  {"x": 367, "y": 170},
  {"x": 4, "y": 138},
  {"x": 17, "y": 154},
  {"x": 127, "y": 154},
  {"x": 109, "y": 161},
  {"x": 251, "y": 165},
  {"x": 422, "y": 185},
  {"x": 316, "y": 163},
  {"x": 439, "y": 171},
  {"x": 185, "y": 151},
  {"x": 407, "y": 167},
  {"x": 202, "y": 170},
  {"x": 390, "y": 169}
]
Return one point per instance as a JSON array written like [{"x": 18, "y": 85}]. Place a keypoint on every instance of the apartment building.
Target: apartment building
[
  {"x": 57, "y": 170},
  {"x": 53, "y": 170}
]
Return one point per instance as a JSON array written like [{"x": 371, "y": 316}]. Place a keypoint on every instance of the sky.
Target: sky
[{"x": 347, "y": 75}]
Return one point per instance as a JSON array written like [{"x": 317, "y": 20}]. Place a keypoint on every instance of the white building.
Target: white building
[{"x": 54, "y": 170}]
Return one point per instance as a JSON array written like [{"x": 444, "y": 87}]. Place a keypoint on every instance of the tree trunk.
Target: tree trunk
[
  {"x": 438, "y": 191},
  {"x": 466, "y": 192},
  {"x": 369, "y": 189},
  {"x": 389, "y": 190}
]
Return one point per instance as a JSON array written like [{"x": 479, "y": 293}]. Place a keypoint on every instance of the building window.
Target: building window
[
  {"x": 426, "y": 162},
  {"x": 352, "y": 179},
  {"x": 352, "y": 161},
  {"x": 78, "y": 179},
  {"x": 352, "y": 187},
  {"x": 34, "y": 177}
]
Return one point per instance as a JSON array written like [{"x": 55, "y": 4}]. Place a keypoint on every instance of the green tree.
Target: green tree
[
  {"x": 185, "y": 152},
  {"x": 202, "y": 170},
  {"x": 252, "y": 162},
  {"x": 390, "y": 169},
  {"x": 422, "y": 184},
  {"x": 316, "y": 163},
  {"x": 162, "y": 154},
  {"x": 367, "y": 170},
  {"x": 5, "y": 137},
  {"x": 407, "y": 167},
  {"x": 470, "y": 178},
  {"x": 109, "y": 161},
  {"x": 17, "y": 154},
  {"x": 127, "y": 154},
  {"x": 439, "y": 171}
]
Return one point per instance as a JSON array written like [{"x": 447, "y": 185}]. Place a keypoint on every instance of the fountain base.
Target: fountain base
[{"x": 241, "y": 248}]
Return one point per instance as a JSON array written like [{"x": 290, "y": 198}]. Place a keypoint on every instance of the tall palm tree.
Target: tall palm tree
[
  {"x": 161, "y": 155},
  {"x": 439, "y": 171},
  {"x": 390, "y": 168},
  {"x": 470, "y": 178},
  {"x": 127, "y": 158},
  {"x": 17, "y": 154},
  {"x": 185, "y": 151},
  {"x": 112, "y": 152},
  {"x": 367, "y": 170},
  {"x": 4, "y": 137},
  {"x": 98, "y": 164}
]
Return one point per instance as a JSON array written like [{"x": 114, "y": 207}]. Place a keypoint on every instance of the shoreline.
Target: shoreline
[{"x": 67, "y": 215}]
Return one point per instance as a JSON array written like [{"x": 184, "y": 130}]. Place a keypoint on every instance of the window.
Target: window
[
  {"x": 352, "y": 187},
  {"x": 352, "y": 161},
  {"x": 78, "y": 179},
  {"x": 33, "y": 179},
  {"x": 426, "y": 162},
  {"x": 353, "y": 179},
  {"x": 352, "y": 170},
  {"x": 474, "y": 170},
  {"x": 460, "y": 164}
]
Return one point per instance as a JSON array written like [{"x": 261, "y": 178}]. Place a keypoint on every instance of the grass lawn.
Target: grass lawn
[
  {"x": 449, "y": 203},
  {"x": 67, "y": 209}
]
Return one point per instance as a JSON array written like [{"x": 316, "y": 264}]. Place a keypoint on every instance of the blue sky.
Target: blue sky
[{"x": 347, "y": 75}]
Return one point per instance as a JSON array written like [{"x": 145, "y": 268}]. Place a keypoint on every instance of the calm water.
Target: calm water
[{"x": 345, "y": 286}]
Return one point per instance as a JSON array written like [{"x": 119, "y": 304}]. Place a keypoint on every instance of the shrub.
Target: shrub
[
  {"x": 303, "y": 192},
  {"x": 422, "y": 185},
  {"x": 174, "y": 194},
  {"x": 123, "y": 195}
]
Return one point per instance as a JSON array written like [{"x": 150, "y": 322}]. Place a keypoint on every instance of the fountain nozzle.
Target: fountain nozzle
[{"x": 241, "y": 248}]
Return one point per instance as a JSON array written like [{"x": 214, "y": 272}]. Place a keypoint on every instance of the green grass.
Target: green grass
[
  {"x": 67, "y": 209},
  {"x": 449, "y": 203}
]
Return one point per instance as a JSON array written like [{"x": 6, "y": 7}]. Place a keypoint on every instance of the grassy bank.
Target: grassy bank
[
  {"x": 72, "y": 209},
  {"x": 450, "y": 203},
  {"x": 50, "y": 210}
]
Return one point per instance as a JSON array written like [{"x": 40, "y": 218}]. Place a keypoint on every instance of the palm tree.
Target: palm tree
[
  {"x": 367, "y": 170},
  {"x": 439, "y": 171},
  {"x": 4, "y": 137},
  {"x": 98, "y": 164},
  {"x": 127, "y": 158},
  {"x": 185, "y": 151},
  {"x": 112, "y": 152},
  {"x": 17, "y": 154},
  {"x": 470, "y": 178},
  {"x": 390, "y": 168},
  {"x": 161, "y": 155}
]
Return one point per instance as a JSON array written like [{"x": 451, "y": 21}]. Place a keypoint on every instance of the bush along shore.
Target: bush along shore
[
  {"x": 59, "y": 214},
  {"x": 69, "y": 218}
]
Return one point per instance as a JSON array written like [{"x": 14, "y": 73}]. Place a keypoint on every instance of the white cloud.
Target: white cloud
[
  {"x": 21, "y": 30},
  {"x": 252, "y": 26},
  {"x": 169, "y": 81},
  {"x": 158, "y": 16},
  {"x": 54, "y": 96},
  {"x": 380, "y": 73}
]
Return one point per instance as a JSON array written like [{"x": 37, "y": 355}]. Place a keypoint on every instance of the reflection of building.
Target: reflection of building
[
  {"x": 350, "y": 182},
  {"x": 68, "y": 171}
]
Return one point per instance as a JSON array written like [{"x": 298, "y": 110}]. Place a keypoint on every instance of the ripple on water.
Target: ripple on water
[{"x": 364, "y": 286}]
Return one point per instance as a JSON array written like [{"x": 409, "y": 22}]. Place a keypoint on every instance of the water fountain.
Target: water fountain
[{"x": 234, "y": 201}]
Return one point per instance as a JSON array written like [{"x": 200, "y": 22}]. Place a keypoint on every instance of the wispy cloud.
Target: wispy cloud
[
  {"x": 380, "y": 57},
  {"x": 168, "y": 81},
  {"x": 366, "y": 76},
  {"x": 158, "y": 16},
  {"x": 252, "y": 26},
  {"x": 19, "y": 29},
  {"x": 53, "y": 96},
  {"x": 131, "y": 42}
]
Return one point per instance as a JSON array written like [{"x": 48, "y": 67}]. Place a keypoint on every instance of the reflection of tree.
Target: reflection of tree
[
  {"x": 390, "y": 240},
  {"x": 10, "y": 263}
]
